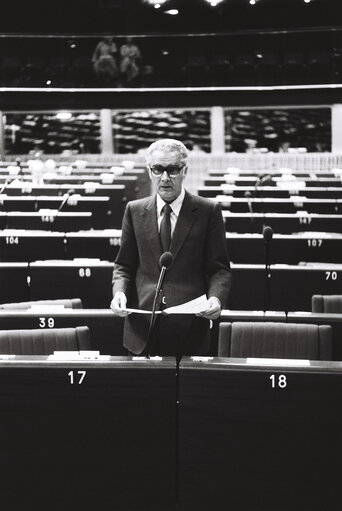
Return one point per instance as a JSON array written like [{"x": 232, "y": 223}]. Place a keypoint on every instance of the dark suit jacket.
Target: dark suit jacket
[{"x": 201, "y": 266}]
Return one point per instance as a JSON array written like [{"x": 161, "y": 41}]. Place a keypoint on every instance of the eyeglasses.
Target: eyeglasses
[{"x": 172, "y": 170}]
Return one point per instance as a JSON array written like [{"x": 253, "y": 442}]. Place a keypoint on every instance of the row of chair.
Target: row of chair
[{"x": 238, "y": 340}]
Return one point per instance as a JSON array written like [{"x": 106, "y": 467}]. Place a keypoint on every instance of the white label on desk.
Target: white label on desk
[
  {"x": 144, "y": 358},
  {"x": 201, "y": 359},
  {"x": 89, "y": 354},
  {"x": 278, "y": 361},
  {"x": 47, "y": 308},
  {"x": 64, "y": 355}
]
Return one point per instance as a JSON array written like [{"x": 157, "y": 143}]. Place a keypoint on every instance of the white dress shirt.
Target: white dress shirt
[{"x": 175, "y": 209}]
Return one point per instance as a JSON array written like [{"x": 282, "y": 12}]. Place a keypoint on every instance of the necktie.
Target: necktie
[{"x": 165, "y": 228}]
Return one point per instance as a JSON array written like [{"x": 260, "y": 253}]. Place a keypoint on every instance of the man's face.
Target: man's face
[{"x": 168, "y": 187}]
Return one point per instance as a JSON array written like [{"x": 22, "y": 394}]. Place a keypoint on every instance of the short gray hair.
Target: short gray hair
[{"x": 167, "y": 144}]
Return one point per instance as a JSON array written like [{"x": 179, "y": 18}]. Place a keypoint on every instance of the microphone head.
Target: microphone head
[
  {"x": 248, "y": 194},
  {"x": 70, "y": 192},
  {"x": 267, "y": 233},
  {"x": 166, "y": 260}
]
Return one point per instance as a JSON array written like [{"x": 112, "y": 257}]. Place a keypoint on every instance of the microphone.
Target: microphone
[
  {"x": 267, "y": 235},
  {"x": 248, "y": 196},
  {"x": 18, "y": 162},
  {"x": 65, "y": 199},
  {"x": 165, "y": 262},
  {"x": 259, "y": 182},
  {"x": 5, "y": 185},
  {"x": 262, "y": 180}
]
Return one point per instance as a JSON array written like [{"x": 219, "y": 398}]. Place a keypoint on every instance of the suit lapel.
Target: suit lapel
[
  {"x": 149, "y": 217},
  {"x": 184, "y": 223}
]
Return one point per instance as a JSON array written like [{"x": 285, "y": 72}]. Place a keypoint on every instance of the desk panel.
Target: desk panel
[
  {"x": 21, "y": 245},
  {"x": 247, "y": 445},
  {"x": 322, "y": 192},
  {"x": 240, "y": 205},
  {"x": 291, "y": 286},
  {"x": 107, "y": 443},
  {"x": 91, "y": 281},
  {"x": 289, "y": 249},
  {"x": 282, "y": 223},
  {"x": 13, "y": 282},
  {"x": 103, "y": 244},
  {"x": 63, "y": 221}
]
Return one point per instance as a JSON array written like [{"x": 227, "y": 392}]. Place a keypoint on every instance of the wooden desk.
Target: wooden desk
[
  {"x": 292, "y": 205},
  {"x": 14, "y": 282},
  {"x": 284, "y": 223},
  {"x": 285, "y": 248},
  {"x": 24, "y": 246},
  {"x": 88, "y": 435},
  {"x": 291, "y": 285},
  {"x": 84, "y": 278},
  {"x": 51, "y": 221},
  {"x": 271, "y": 191},
  {"x": 259, "y": 438}
]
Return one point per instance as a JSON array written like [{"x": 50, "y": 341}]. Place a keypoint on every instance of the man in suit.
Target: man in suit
[{"x": 192, "y": 229}]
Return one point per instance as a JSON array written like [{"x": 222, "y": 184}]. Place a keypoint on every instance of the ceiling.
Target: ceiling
[{"x": 137, "y": 17}]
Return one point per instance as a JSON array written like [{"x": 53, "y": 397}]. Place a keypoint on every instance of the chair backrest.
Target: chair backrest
[
  {"x": 44, "y": 341},
  {"x": 275, "y": 340},
  {"x": 69, "y": 303},
  {"x": 326, "y": 303}
]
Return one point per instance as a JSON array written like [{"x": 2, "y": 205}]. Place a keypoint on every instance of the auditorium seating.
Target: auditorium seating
[
  {"x": 88, "y": 279},
  {"x": 44, "y": 341},
  {"x": 282, "y": 223},
  {"x": 272, "y": 191},
  {"x": 327, "y": 303},
  {"x": 23, "y": 245},
  {"x": 285, "y": 248},
  {"x": 275, "y": 340},
  {"x": 285, "y": 205}
]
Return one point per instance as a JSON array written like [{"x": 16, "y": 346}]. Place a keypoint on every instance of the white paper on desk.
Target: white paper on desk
[{"x": 192, "y": 307}]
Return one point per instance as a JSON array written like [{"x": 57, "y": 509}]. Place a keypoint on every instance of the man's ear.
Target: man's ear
[{"x": 185, "y": 170}]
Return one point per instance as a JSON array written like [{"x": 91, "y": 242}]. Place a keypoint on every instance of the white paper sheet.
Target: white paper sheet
[{"x": 191, "y": 307}]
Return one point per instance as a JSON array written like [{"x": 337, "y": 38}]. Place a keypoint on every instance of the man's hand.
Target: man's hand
[
  {"x": 118, "y": 303},
  {"x": 212, "y": 310}
]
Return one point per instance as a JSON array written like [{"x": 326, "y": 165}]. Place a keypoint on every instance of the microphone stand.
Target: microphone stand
[
  {"x": 267, "y": 294},
  {"x": 268, "y": 233},
  {"x": 153, "y": 315},
  {"x": 3, "y": 188}
]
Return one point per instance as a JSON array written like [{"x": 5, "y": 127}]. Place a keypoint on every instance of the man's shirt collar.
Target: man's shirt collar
[{"x": 175, "y": 205}]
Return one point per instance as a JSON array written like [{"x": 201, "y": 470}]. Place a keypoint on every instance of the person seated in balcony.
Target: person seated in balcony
[
  {"x": 104, "y": 60},
  {"x": 130, "y": 62}
]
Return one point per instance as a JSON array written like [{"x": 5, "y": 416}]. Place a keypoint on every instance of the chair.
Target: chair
[
  {"x": 326, "y": 303},
  {"x": 275, "y": 340},
  {"x": 44, "y": 341},
  {"x": 69, "y": 303}
]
